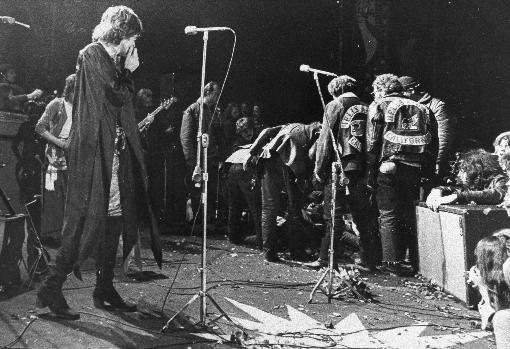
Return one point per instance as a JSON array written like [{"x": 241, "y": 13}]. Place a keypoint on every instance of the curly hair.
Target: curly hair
[
  {"x": 69, "y": 86},
  {"x": 480, "y": 167},
  {"x": 341, "y": 84},
  {"x": 491, "y": 253},
  {"x": 117, "y": 23},
  {"x": 244, "y": 124},
  {"x": 387, "y": 83}
]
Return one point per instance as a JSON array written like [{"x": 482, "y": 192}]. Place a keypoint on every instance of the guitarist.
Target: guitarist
[
  {"x": 157, "y": 132},
  {"x": 54, "y": 126},
  {"x": 144, "y": 103}
]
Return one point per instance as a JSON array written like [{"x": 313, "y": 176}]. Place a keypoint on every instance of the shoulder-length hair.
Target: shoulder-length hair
[
  {"x": 69, "y": 86},
  {"x": 491, "y": 253},
  {"x": 117, "y": 23},
  {"x": 480, "y": 167}
]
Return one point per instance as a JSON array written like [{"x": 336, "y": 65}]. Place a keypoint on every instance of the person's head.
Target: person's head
[
  {"x": 9, "y": 72},
  {"x": 341, "y": 84},
  {"x": 211, "y": 93},
  {"x": 410, "y": 86},
  {"x": 491, "y": 253},
  {"x": 144, "y": 98},
  {"x": 257, "y": 110},
  {"x": 245, "y": 109},
  {"x": 477, "y": 168},
  {"x": 504, "y": 162},
  {"x": 386, "y": 84},
  {"x": 232, "y": 111},
  {"x": 68, "y": 92},
  {"x": 120, "y": 27},
  {"x": 502, "y": 144},
  {"x": 244, "y": 128}
]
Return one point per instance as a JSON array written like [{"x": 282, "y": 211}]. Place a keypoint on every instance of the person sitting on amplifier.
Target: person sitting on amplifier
[
  {"x": 481, "y": 180},
  {"x": 12, "y": 96},
  {"x": 491, "y": 276}
]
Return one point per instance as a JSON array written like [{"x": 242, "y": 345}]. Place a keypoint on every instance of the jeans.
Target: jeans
[
  {"x": 241, "y": 189},
  {"x": 364, "y": 215},
  {"x": 275, "y": 177},
  {"x": 396, "y": 196}
]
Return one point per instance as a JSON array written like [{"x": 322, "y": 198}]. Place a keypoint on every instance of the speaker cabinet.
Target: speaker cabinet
[
  {"x": 447, "y": 241},
  {"x": 9, "y": 126}
]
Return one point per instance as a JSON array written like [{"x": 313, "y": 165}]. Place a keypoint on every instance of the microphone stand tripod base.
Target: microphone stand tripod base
[{"x": 202, "y": 322}]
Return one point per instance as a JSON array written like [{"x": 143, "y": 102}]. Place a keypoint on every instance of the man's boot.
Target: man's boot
[
  {"x": 104, "y": 292},
  {"x": 50, "y": 295}
]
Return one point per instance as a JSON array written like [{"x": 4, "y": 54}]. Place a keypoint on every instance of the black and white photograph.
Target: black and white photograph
[{"x": 255, "y": 174}]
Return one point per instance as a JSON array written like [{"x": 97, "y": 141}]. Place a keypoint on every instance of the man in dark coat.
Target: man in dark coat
[
  {"x": 401, "y": 148},
  {"x": 189, "y": 131},
  {"x": 445, "y": 122},
  {"x": 285, "y": 154},
  {"x": 346, "y": 117},
  {"x": 108, "y": 183}
]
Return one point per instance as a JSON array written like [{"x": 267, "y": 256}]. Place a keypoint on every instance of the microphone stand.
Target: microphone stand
[
  {"x": 336, "y": 167},
  {"x": 200, "y": 175}
]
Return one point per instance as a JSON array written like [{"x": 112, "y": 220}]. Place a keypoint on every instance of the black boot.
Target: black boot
[
  {"x": 105, "y": 295},
  {"x": 50, "y": 295},
  {"x": 272, "y": 256}
]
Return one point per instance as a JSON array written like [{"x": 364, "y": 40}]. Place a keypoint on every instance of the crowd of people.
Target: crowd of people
[{"x": 358, "y": 172}]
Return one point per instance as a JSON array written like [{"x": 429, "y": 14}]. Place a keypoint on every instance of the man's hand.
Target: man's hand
[
  {"x": 132, "y": 61},
  {"x": 433, "y": 202},
  {"x": 63, "y": 143},
  {"x": 35, "y": 94}
]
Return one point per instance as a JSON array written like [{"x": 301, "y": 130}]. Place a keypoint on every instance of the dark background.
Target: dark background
[{"x": 459, "y": 49}]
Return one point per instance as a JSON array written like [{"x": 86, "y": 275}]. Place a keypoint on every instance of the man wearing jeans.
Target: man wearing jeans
[
  {"x": 284, "y": 155},
  {"x": 401, "y": 148},
  {"x": 346, "y": 116}
]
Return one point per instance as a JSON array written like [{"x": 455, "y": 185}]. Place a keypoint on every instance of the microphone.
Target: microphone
[
  {"x": 192, "y": 30},
  {"x": 11, "y": 20},
  {"x": 7, "y": 19},
  {"x": 306, "y": 68}
]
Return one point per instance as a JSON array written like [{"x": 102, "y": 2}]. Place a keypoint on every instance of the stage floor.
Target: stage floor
[{"x": 269, "y": 300}]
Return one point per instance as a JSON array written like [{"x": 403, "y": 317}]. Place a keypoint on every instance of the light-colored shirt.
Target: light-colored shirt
[{"x": 66, "y": 128}]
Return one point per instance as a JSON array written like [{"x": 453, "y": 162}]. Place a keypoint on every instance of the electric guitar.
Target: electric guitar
[{"x": 165, "y": 104}]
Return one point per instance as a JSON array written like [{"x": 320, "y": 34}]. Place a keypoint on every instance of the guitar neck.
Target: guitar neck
[{"x": 150, "y": 116}]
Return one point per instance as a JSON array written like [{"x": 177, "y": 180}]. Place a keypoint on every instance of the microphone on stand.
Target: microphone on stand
[
  {"x": 12, "y": 20},
  {"x": 193, "y": 30},
  {"x": 306, "y": 68}
]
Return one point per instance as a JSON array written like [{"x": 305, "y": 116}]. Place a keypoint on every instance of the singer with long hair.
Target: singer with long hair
[{"x": 108, "y": 188}]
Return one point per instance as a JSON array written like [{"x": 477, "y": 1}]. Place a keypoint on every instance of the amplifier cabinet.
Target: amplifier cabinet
[
  {"x": 12, "y": 241},
  {"x": 447, "y": 241}
]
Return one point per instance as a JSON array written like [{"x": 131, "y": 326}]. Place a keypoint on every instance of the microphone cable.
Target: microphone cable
[{"x": 215, "y": 111}]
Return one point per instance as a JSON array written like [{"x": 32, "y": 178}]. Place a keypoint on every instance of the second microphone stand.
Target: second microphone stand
[
  {"x": 200, "y": 175},
  {"x": 337, "y": 178}
]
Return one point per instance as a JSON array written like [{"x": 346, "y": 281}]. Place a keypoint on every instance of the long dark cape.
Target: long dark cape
[{"x": 103, "y": 97}]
